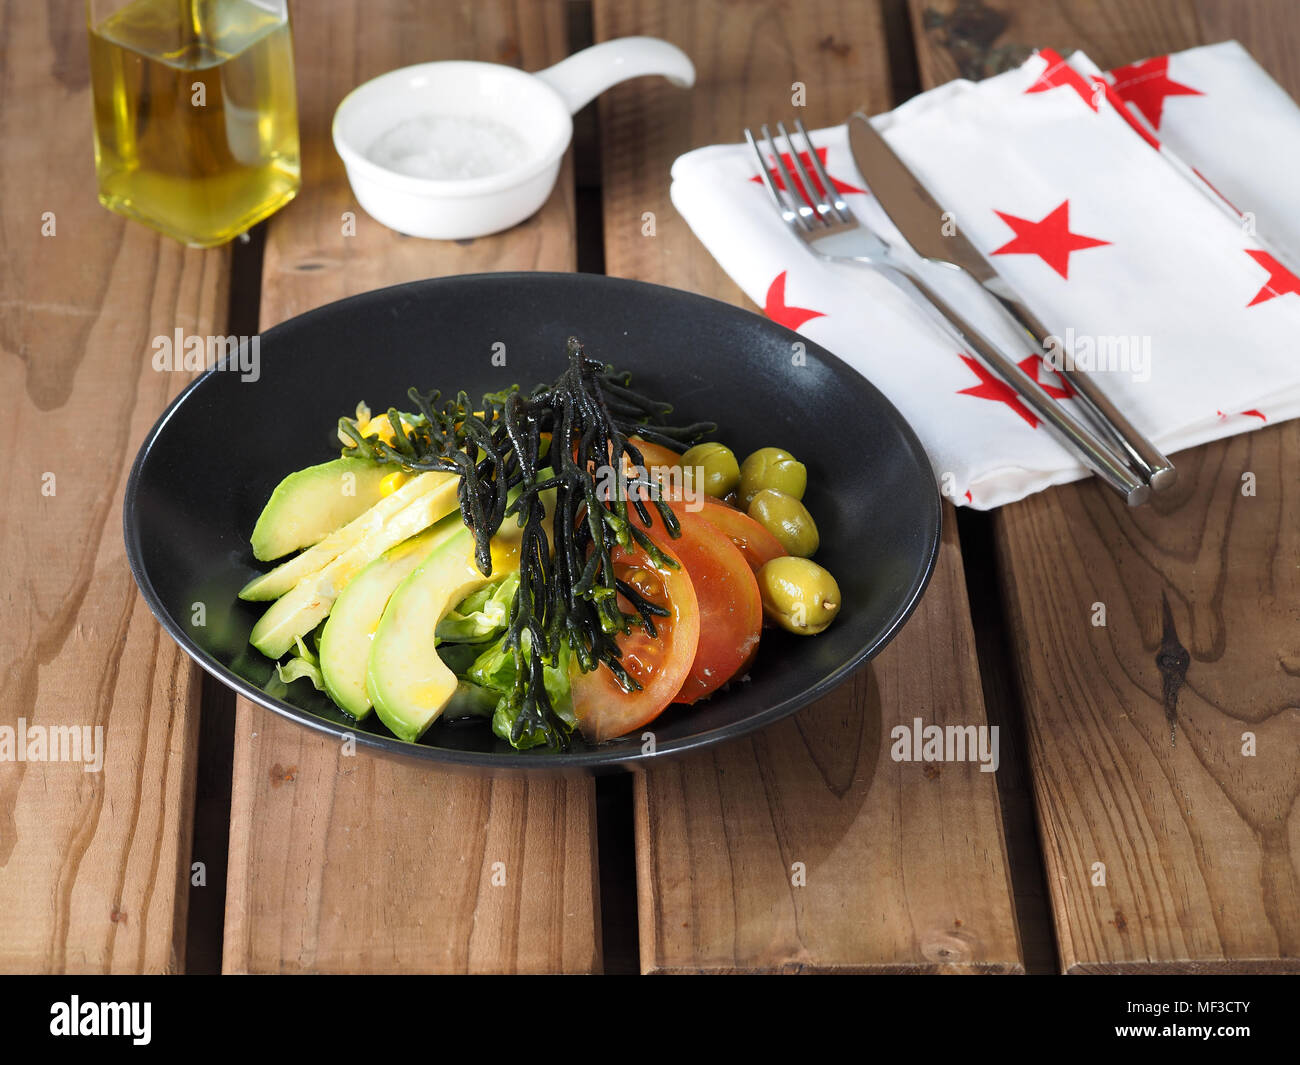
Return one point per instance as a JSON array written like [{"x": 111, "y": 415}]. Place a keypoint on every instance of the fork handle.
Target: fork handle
[
  {"x": 1149, "y": 459},
  {"x": 1094, "y": 451}
]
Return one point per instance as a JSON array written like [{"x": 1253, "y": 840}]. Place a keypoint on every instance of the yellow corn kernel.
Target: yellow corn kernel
[{"x": 393, "y": 482}]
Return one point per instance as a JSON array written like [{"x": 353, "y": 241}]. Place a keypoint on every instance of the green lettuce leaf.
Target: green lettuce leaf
[
  {"x": 494, "y": 670},
  {"x": 302, "y": 662},
  {"x": 481, "y": 616}
]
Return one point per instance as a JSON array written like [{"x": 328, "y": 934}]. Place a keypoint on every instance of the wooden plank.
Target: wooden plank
[
  {"x": 1201, "y": 864},
  {"x": 906, "y": 867},
  {"x": 362, "y": 864},
  {"x": 94, "y": 866},
  {"x": 973, "y": 39}
]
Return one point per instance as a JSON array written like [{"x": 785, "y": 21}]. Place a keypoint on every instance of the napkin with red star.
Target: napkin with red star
[{"x": 1148, "y": 216}]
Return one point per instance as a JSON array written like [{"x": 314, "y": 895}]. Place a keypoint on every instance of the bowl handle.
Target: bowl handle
[{"x": 586, "y": 74}]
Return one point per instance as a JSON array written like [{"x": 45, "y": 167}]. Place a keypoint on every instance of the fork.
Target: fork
[{"x": 826, "y": 225}]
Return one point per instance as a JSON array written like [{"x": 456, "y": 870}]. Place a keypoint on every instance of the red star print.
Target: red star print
[
  {"x": 994, "y": 388},
  {"x": 775, "y": 171},
  {"x": 774, "y": 306},
  {"x": 1059, "y": 73},
  {"x": 1281, "y": 281},
  {"x": 1145, "y": 85},
  {"x": 1050, "y": 239}
]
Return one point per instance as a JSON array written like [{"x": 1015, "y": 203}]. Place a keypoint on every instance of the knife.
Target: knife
[{"x": 922, "y": 222}]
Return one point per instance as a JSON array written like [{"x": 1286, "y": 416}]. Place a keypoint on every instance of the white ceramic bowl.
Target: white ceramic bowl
[{"x": 535, "y": 107}]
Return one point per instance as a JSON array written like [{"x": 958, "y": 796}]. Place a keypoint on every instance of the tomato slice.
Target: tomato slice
[
  {"x": 660, "y": 664},
  {"x": 755, "y": 542},
  {"x": 731, "y": 610},
  {"x": 656, "y": 454}
]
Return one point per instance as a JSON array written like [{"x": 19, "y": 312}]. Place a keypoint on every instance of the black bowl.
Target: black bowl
[{"x": 207, "y": 467}]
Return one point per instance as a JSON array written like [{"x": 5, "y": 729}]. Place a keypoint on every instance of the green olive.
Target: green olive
[
  {"x": 787, "y": 519},
  {"x": 770, "y": 467},
  {"x": 716, "y": 464},
  {"x": 798, "y": 594}
]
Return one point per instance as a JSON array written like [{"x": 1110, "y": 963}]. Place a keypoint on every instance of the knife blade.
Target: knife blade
[
  {"x": 933, "y": 234},
  {"x": 925, "y": 225}
]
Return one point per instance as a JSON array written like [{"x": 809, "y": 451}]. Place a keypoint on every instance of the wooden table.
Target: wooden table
[{"x": 221, "y": 837}]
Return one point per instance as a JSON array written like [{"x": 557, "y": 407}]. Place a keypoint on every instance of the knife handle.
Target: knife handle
[
  {"x": 1149, "y": 459},
  {"x": 1094, "y": 451}
]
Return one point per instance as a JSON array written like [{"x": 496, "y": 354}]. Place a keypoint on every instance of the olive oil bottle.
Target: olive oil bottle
[{"x": 196, "y": 119}]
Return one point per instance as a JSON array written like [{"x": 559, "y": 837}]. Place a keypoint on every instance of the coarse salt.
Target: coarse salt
[{"x": 448, "y": 148}]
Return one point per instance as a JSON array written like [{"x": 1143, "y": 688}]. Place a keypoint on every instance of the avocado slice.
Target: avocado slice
[
  {"x": 310, "y": 504},
  {"x": 287, "y": 575},
  {"x": 309, "y": 602},
  {"x": 346, "y": 639},
  {"x": 407, "y": 681}
]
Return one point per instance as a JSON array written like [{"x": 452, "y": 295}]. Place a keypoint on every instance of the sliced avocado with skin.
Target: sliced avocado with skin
[
  {"x": 310, "y": 504},
  {"x": 346, "y": 639},
  {"x": 407, "y": 681},
  {"x": 287, "y": 575},
  {"x": 312, "y": 598}
]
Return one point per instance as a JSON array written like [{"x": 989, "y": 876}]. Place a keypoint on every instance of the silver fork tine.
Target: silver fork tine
[
  {"x": 787, "y": 178},
  {"x": 819, "y": 203},
  {"x": 787, "y": 210},
  {"x": 837, "y": 204}
]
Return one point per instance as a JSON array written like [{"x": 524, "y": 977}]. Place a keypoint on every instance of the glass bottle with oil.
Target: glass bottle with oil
[{"x": 196, "y": 117}]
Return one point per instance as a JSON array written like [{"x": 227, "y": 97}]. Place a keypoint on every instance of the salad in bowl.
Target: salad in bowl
[{"x": 556, "y": 561}]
